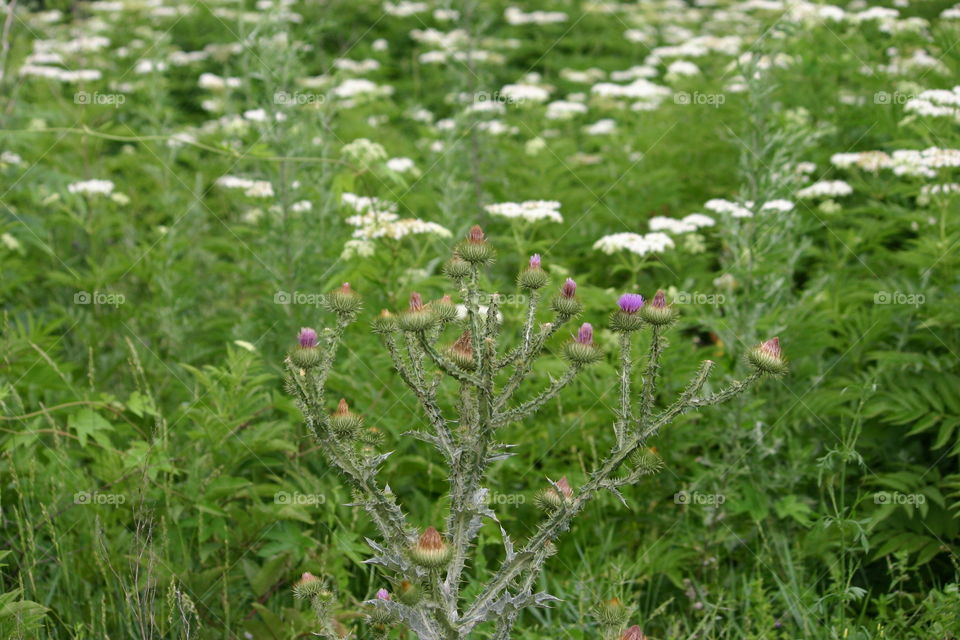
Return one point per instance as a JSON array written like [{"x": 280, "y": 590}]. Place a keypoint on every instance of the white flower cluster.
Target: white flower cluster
[
  {"x": 647, "y": 94},
  {"x": 936, "y": 103},
  {"x": 92, "y": 187},
  {"x": 378, "y": 219},
  {"x": 401, "y": 165},
  {"x": 928, "y": 191},
  {"x": 719, "y": 205},
  {"x": 654, "y": 242},
  {"x": 530, "y": 211},
  {"x": 251, "y": 188},
  {"x": 687, "y": 224},
  {"x": 68, "y": 76},
  {"x": 515, "y": 16},
  {"x": 521, "y": 92},
  {"x": 903, "y": 162},
  {"x": 826, "y": 189},
  {"x": 564, "y": 109},
  {"x": 746, "y": 209}
]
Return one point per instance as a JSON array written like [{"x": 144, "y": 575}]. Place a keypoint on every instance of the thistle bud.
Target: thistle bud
[
  {"x": 384, "y": 323},
  {"x": 457, "y": 268},
  {"x": 381, "y": 615},
  {"x": 418, "y": 317},
  {"x": 646, "y": 461},
  {"x": 612, "y": 613},
  {"x": 308, "y": 586},
  {"x": 566, "y": 304},
  {"x": 444, "y": 309},
  {"x": 307, "y": 337},
  {"x": 343, "y": 422},
  {"x": 431, "y": 551},
  {"x": 409, "y": 593},
  {"x": 658, "y": 312},
  {"x": 633, "y": 633},
  {"x": 475, "y": 248},
  {"x": 343, "y": 300},
  {"x": 580, "y": 350},
  {"x": 306, "y": 354},
  {"x": 627, "y": 316},
  {"x": 461, "y": 352},
  {"x": 533, "y": 277},
  {"x": 555, "y": 497},
  {"x": 768, "y": 358}
]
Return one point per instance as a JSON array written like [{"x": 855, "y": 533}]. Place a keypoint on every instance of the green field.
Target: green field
[{"x": 182, "y": 185}]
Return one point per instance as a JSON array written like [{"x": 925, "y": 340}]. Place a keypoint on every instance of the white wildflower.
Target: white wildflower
[
  {"x": 530, "y": 211},
  {"x": 655, "y": 242},
  {"x": 92, "y": 187}
]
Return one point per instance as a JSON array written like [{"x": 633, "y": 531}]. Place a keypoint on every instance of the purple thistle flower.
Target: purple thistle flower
[
  {"x": 535, "y": 261},
  {"x": 383, "y": 594},
  {"x": 659, "y": 301},
  {"x": 630, "y": 302},
  {"x": 569, "y": 288},
  {"x": 308, "y": 338},
  {"x": 585, "y": 335}
]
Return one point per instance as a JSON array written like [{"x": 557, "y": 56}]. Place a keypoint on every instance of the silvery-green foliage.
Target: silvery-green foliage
[{"x": 428, "y": 573}]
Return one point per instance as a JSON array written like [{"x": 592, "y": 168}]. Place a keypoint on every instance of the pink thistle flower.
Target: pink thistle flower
[{"x": 308, "y": 338}]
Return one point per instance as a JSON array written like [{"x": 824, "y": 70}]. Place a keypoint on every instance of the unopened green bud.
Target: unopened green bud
[
  {"x": 768, "y": 358},
  {"x": 417, "y": 317},
  {"x": 457, "y": 268},
  {"x": 658, "y": 312},
  {"x": 475, "y": 248},
  {"x": 384, "y": 323},
  {"x": 431, "y": 551},
  {"x": 343, "y": 300},
  {"x": 444, "y": 309},
  {"x": 612, "y": 613},
  {"x": 343, "y": 422}
]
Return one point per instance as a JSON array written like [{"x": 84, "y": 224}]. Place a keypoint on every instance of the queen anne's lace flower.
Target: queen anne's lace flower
[
  {"x": 531, "y": 210},
  {"x": 655, "y": 242}
]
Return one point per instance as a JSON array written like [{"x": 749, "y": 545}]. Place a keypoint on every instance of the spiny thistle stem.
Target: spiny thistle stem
[
  {"x": 446, "y": 365},
  {"x": 650, "y": 374},
  {"x": 529, "y": 407},
  {"x": 626, "y": 401}
]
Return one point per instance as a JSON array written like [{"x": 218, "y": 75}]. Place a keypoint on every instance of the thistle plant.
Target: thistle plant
[{"x": 425, "y": 571}]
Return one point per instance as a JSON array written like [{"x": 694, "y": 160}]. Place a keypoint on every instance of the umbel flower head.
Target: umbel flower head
[
  {"x": 475, "y": 249},
  {"x": 658, "y": 312},
  {"x": 343, "y": 422},
  {"x": 306, "y": 354},
  {"x": 431, "y": 551},
  {"x": 533, "y": 277},
  {"x": 580, "y": 351},
  {"x": 555, "y": 497},
  {"x": 566, "y": 304},
  {"x": 418, "y": 317},
  {"x": 343, "y": 300},
  {"x": 461, "y": 351},
  {"x": 768, "y": 358},
  {"x": 627, "y": 316}
]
